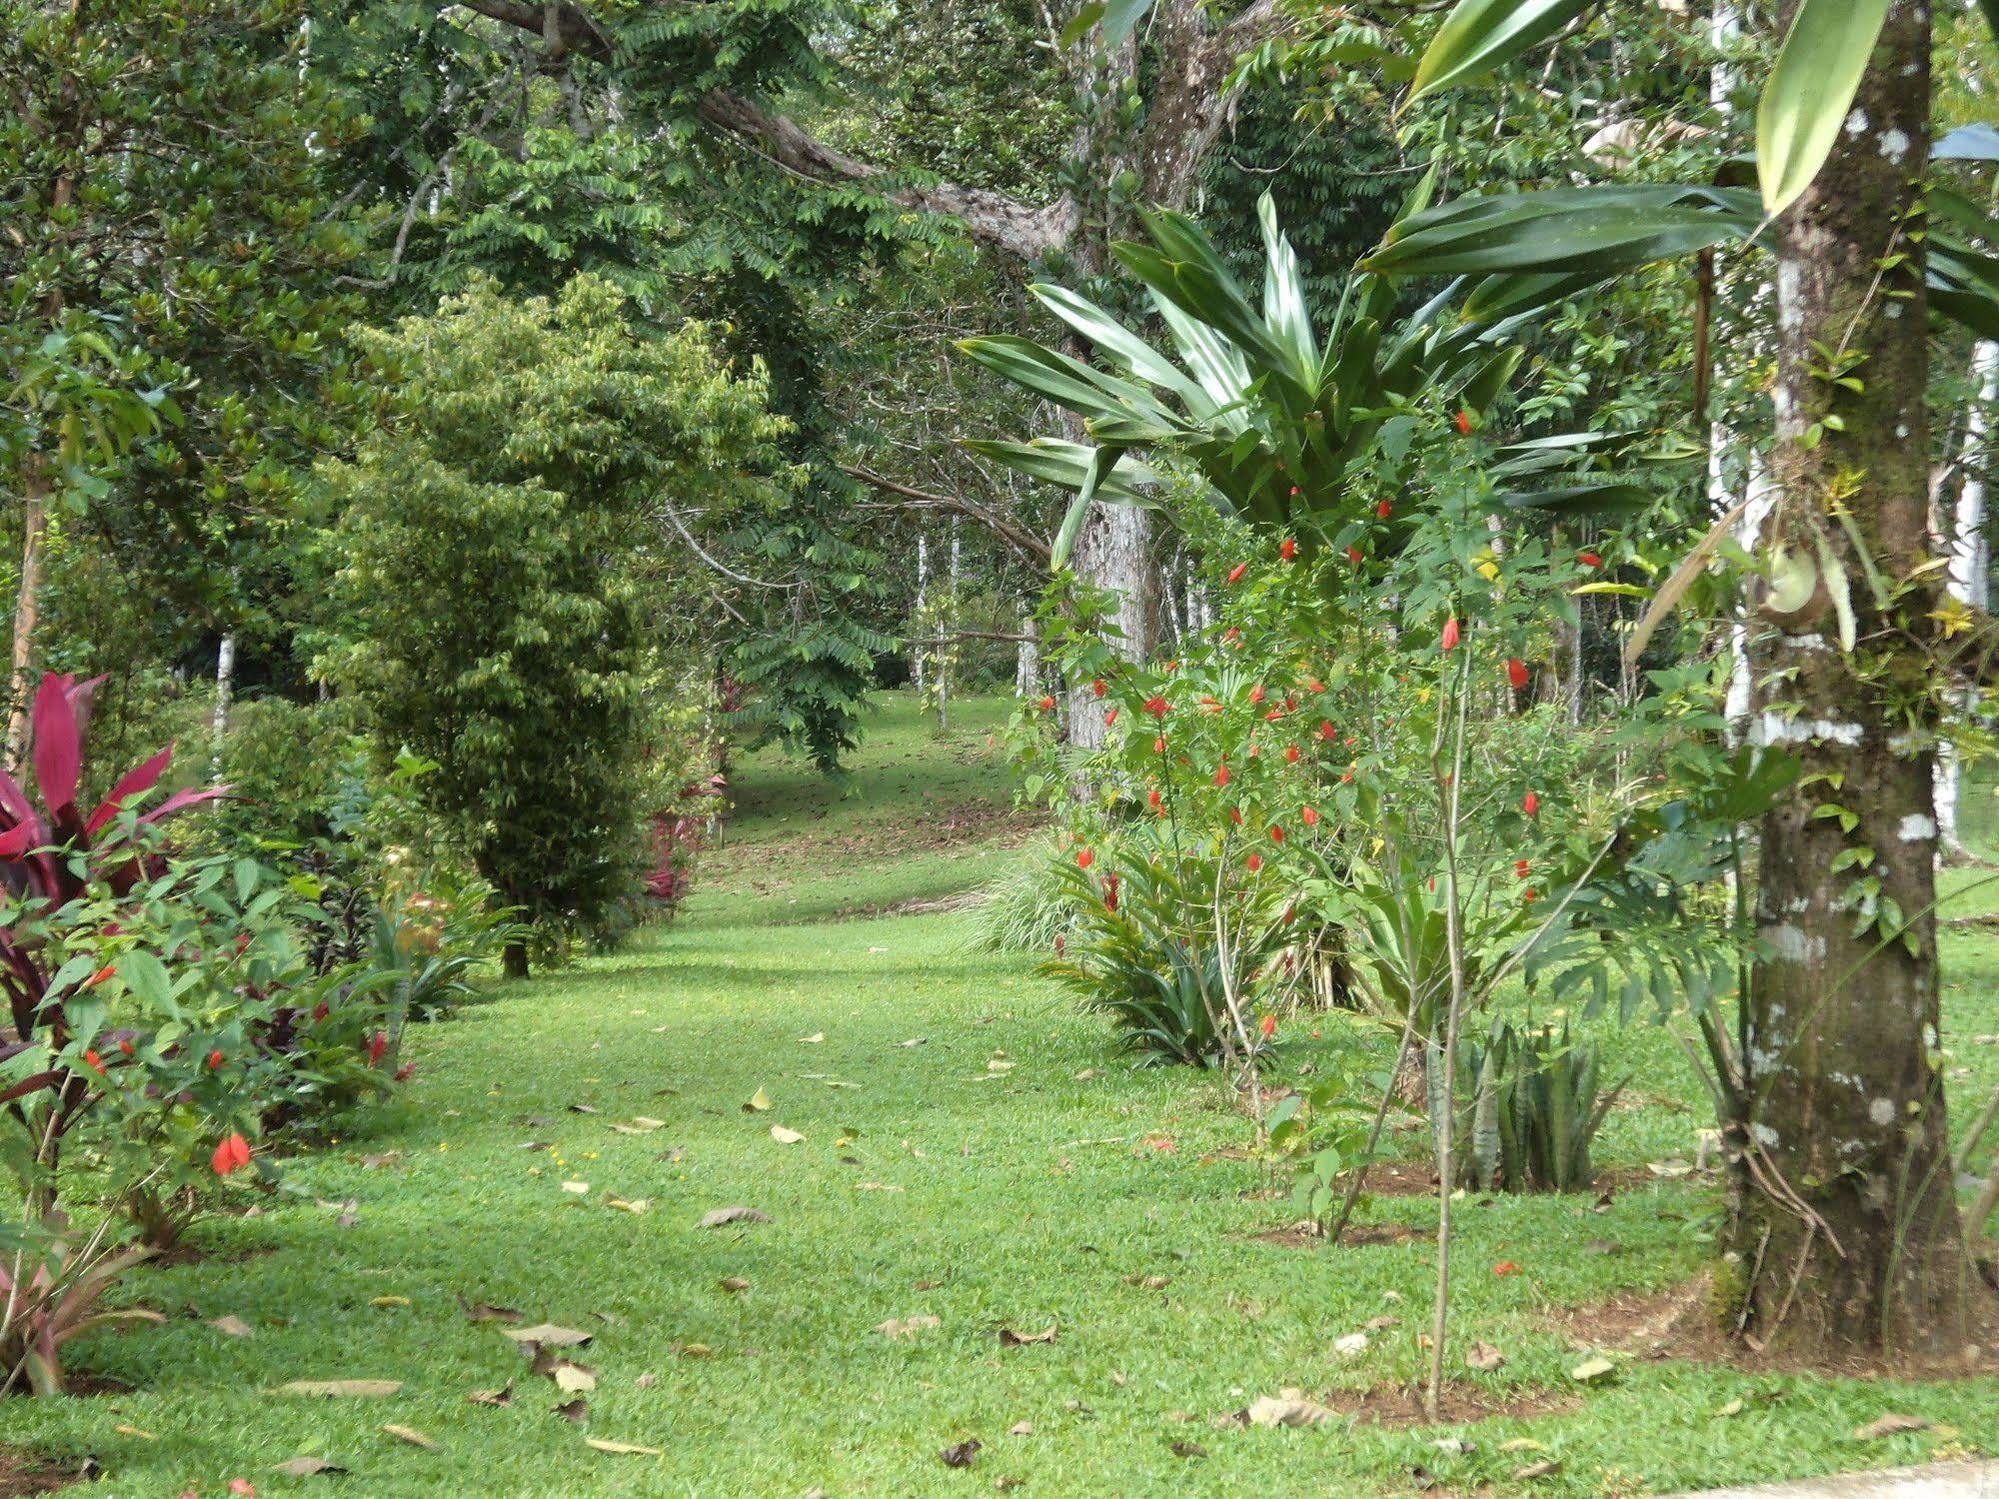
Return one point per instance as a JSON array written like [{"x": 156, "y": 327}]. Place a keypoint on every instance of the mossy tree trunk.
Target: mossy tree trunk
[{"x": 1851, "y": 1240}]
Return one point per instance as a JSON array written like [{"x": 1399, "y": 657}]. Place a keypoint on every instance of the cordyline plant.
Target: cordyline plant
[{"x": 49, "y": 855}]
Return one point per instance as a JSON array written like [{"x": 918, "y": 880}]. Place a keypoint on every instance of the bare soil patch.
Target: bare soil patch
[
  {"x": 1684, "y": 1323},
  {"x": 1308, "y": 1235},
  {"x": 1397, "y": 1405},
  {"x": 23, "y": 1473}
]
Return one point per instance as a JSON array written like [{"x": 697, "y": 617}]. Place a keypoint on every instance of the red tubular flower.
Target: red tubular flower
[
  {"x": 1506, "y": 1267},
  {"x": 94, "y": 1062},
  {"x": 1156, "y": 706},
  {"x": 1353, "y": 555},
  {"x": 1277, "y": 832},
  {"x": 1273, "y": 715},
  {"x": 1290, "y": 754},
  {"x": 1314, "y": 685},
  {"x": 1326, "y": 730},
  {"x": 1152, "y": 798},
  {"x": 1309, "y": 816},
  {"x": 1530, "y": 804},
  {"x": 377, "y": 1044},
  {"x": 215, "y": 1060},
  {"x": 1231, "y": 634},
  {"x": 100, "y": 976},
  {"x": 405, "y": 1072},
  {"x": 1530, "y": 895},
  {"x": 1464, "y": 423},
  {"x": 1384, "y": 509},
  {"x": 1589, "y": 559},
  {"x": 1100, "y": 687},
  {"x": 233, "y": 1154},
  {"x": 1159, "y": 745},
  {"x": 1255, "y": 862},
  {"x": 1236, "y": 572},
  {"x": 1110, "y": 718},
  {"x": 1287, "y": 548},
  {"x": 1347, "y": 777},
  {"x": 1268, "y": 1026},
  {"x": 126, "y": 1046},
  {"x": 1520, "y": 868},
  {"x": 1256, "y": 693},
  {"x": 1451, "y": 633},
  {"x": 1516, "y": 673},
  {"x": 1047, "y": 704},
  {"x": 1221, "y": 775},
  {"x": 1294, "y": 491},
  {"x": 1085, "y": 858}
]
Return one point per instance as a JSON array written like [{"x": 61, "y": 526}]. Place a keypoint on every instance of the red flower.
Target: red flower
[
  {"x": 1273, "y": 715},
  {"x": 100, "y": 976},
  {"x": 1287, "y": 548},
  {"x": 1290, "y": 754},
  {"x": 1315, "y": 686},
  {"x": 1589, "y": 559},
  {"x": 1277, "y": 832},
  {"x": 1353, "y": 555},
  {"x": 1085, "y": 858},
  {"x": 1231, "y": 634},
  {"x": 1159, "y": 745},
  {"x": 1520, "y": 868},
  {"x": 1344, "y": 779},
  {"x": 320, "y": 1011},
  {"x": 1047, "y": 704},
  {"x": 125, "y": 1046},
  {"x": 1506, "y": 1267},
  {"x": 1256, "y": 693},
  {"x": 1110, "y": 718},
  {"x": 1099, "y": 687},
  {"x": 377, "y": 1044},
  {"x": 1383, "y": 509},
  {"x": 405, "y": 1072},
  {"x": 1464, "y": 422},
  {"x": 1294, "y": 491},
  {"x": 215, "y": 1060},
  {"x": 1221, "y": 775},
  {"x": 1530, "y": 804},
  {"x": 1530, "y": 895},
  {"x": 1152, "y": 798},
  {"x": 93, "y": 1061},
  {"x": 1156, "y": 706},
  {"x": 233, "y": 1154},
  {"x": 1268, "y": 1027},
  {"x": 1236, "y": 572},
  {"x": 1255, "y": 862},
  {"x": 1451, "y": 633},
  {"x": 1326, "y": 730},
  {"x": 1110, "y": 892},
  {"x": 1516, "y": 673},
  {"x": 1310, "y": 817},
  {"x": 1235, "y": 816}
]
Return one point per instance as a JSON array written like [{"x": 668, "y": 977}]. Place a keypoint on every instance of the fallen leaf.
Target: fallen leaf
[
  {"x": 231, "y": 1324},
  {"x": 384, "y": 1303},
  {"x": 1189, "y": 1449},
  {"x": 298, "y": 1467},
  {"x": 621, "y": 1449},
  {"x": 1484, "y": 1356},
  {"x": 1011, "y": 1339},
  {"x": 1021, "y": 1429},
  {"x": 1149, "y": 1282},
  {"x": 1286, "y": 1408},
  {"x": 1349, "y": 1345},
  {"x": 376, "y": 1162},
  {"x": 1733, "y": 1408},
  {"x": 875, "y": 1187},
  {"x": 1521, "y": 1444},
  {"x": 1670, "y": 1169},
  {"x": 1547, "y": 1467},
  {"x": 1088, "y": 1074},
  {"x": 547, "y": 1334},
  {"x": 902, "y": 1327},
  {"x": 411, "y": 1435},
  {"x": 759, "y": 1101},
  {"x": 732, "y": 1215},
  {"x": 960, "y": 1454},
  {"x": 629, "y": 1205},
  {"x": 132, "y": 1431},
  {"x": 574, "y": 1379},
  {"x": 1593, "y": 1370},
  {"x": 340, "y": 1387},
  {"x": 785, "y": 1136},
  {"x": 733, "y": 1283},
  {"x": 577, "y": 1410},
  {"x": 504, "y": 1395},
  {"x": 241, "y": 1488},
  {"x": 1889, "y": 1426},
  {"x": 695, "y": 1350},
  {"x": 482, "y": 1311},
  {"x": 913, "y": 1041},
  {"x": 814, "y": 1039},
  {"x": 998, "y": 1066}
]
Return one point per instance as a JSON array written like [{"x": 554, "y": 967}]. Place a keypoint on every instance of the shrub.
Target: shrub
[
  {"x": 1536, "y": 1101},
  {"x": 49, "y": 1294},
  {"x": 1027, "y": 911}
]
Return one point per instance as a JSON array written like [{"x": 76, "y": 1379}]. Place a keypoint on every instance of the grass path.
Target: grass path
[{"x": 1062, "y": 1189}]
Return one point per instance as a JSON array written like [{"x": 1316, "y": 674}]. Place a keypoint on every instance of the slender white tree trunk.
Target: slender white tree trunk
[
  {"x": 1970, "y": 561},
  {"x": 225, "y": 684},
  {"x": 1027, "y": 671},
  {"x": 922, "y": 593}
]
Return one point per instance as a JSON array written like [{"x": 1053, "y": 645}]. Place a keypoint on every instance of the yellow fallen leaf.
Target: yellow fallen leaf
[
  {"x": 759, "y": 1101},
  {"x": 132, "y": 1431},
  {"x": 389, "y": 1301},
  {"x": 785, "y": 1136},
  {"x": 578, "y": 1188},
  {"x": 622, "y": 1449},
  {"x": 411, "y": 1435},
  {"x": 633, "y": 1205},
  {"x": 340, "y": 1387}
]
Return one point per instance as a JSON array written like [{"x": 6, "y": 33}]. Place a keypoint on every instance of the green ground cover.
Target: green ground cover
[{"x": 1063, "y": 1189}]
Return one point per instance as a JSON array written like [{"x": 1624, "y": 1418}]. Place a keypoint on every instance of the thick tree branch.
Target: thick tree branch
[{"x": 1027, "y": 544}]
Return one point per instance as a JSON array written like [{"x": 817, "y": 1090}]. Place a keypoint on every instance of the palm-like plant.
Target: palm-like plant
[{"x": 1276, "y": 416}]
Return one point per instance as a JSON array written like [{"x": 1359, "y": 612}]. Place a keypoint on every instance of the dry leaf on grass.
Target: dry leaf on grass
[
  {"x": 621, "y": 1449},
  {"x": 1351, "y": 1344},
  {"x": 548, "y": 1335},
  {"x": 1521, "y": 1444},
  {"x": 231, "y": 1324},
  {"x": 733, "y": 1283},
  {"x": 1889, "y": 1426},
  {"x": 304, "y": 1466},
  {"x": 1483, "y": 1356},
  {"x": 386, "y": 1303},
  {"x": 334, "y": 1388},
  {"x": 1546, "y": 1468},
  {"x": 902, "y": 1327},
  {"x": 723, "y": 1216},
  {"x": 1593, "y": 1370},
  {"x": 573, "y": 1379},
  {"x": 628, "y": 1204},
  {"x": 577, "y": 1410},
  {"x": 1011, "y": 1339},
  {"x": 960, "y": 1454},
  {"x": 785, "y": 1136},
  {"x": 576, "y": 1188},
  {"x": 414, "y": 1437},
  {"x": 133, "y": 1431},
  {"x": 504, "y": 1395},
  {"x": 1287, "y": 1408},
  {"x": 483, "y": 1311},
  {"x": 759, "y": 1101},
  {"x": 814, "y": 1039},
  {"x": 1021, "y": 1429},
  {"x": 1189, "y": 1449}
]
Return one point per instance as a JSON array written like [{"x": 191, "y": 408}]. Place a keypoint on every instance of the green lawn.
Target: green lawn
[{"x": 930, "y": 1185}]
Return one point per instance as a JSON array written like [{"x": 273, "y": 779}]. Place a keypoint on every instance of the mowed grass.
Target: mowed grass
[{"x": 930, "y": 1183}]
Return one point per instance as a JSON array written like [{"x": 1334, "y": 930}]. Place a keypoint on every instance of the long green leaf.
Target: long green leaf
[
  {"x": 1481, "y": 34},
  {"x": 1804, "y": 105}
]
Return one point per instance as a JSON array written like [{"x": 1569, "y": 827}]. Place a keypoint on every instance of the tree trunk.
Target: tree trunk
[
  {"x": 1853, "y": 1242},
  {"x": 225, "y": 681},
  {"x": 514, "y": 960},
  {"x": 27, "y": 604}
]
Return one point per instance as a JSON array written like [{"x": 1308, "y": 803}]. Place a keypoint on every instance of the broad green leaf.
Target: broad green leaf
[
  {"x": 1479, "y": 35},
  {"x": 1081, "y": 22},
  {"x": 146, "y": 976},
  {"x": 1120, "y": 16},
  {"x": 1811, "y": 87},
  {"x": 1102, "y": 462},
  {"x": 1610, "y": 498}
]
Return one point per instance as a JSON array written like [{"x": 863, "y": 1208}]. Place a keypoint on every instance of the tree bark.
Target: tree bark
[
  {"x": 1853, "y": 1242},
  {"x": 27, "y": 603}
]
